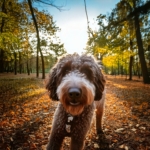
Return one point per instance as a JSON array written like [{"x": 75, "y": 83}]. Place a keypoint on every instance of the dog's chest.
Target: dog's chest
[{"x": 76, "y": 124}]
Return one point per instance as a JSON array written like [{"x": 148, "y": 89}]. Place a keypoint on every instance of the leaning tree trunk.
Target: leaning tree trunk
[
  {"x": 38, "y": 42},
  {"x": 146, "y": 78}
]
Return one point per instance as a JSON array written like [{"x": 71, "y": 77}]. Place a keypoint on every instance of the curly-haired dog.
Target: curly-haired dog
[{"x": 78, "y": 83}]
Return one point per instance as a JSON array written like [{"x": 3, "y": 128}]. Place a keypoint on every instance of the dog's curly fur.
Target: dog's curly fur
[{"x": 78, "y": 83}]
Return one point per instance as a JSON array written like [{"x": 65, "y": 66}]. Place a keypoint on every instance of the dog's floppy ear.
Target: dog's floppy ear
[
  {"x": 99, "y": 84},
  {"x": 51, "y": 85}
]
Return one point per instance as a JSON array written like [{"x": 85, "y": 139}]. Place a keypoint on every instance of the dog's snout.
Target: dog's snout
[{"x": 74, "y": 93}]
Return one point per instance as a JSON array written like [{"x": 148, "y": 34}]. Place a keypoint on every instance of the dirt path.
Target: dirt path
[{"x": 26, "y": 114}]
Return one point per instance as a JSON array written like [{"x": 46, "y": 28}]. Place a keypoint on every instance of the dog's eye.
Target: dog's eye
[
  {"x": 66, "y": 69},
  {"x": 87, "y": 71}
]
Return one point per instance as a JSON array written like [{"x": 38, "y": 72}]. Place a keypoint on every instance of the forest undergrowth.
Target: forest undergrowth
[{"x": 26, "y": 114}]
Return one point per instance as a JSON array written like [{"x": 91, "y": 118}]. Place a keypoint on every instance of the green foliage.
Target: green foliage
[
  {"x": 116, "y": 41},
  {"x": 18, "y": 35}
]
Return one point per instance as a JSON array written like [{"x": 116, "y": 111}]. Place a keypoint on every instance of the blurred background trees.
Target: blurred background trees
[
  {"x": 19, "y": 49},
  {"x": 123, "y": 39},
  {"x": 28, "y": 41}
]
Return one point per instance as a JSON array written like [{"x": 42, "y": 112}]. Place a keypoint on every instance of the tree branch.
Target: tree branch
[
  {"x": 144, "y": 9},
  {"x": 47, "y": 2}
]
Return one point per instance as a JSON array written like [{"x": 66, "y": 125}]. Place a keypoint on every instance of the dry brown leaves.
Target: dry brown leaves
[{"x": 26, "y": 115}]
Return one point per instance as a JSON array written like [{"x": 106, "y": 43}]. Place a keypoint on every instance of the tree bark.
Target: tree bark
[
  {"x": 15, "y": 63},
  {"x": 1, "y": 31},
  {"x": 130, "y": 67},
  {"x": 1, "y": 60},
  {"x": 20, "y": 63},
  {"x": 146, "y": 78},
  {"x": 118, "y": 67},
  {"x": 38, "y": 43},
  {"x": 28, "y": 70}
]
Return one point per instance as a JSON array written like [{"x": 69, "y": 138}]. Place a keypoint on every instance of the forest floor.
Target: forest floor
[{"x": 26, "y": 114}]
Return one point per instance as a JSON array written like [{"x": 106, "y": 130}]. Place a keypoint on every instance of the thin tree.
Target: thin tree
[
  {"x": 1, "y": 31},
  {"x": 146, "y": 78},
  {"x": 37, "y": 31},
  {"x": 134, "y": 16},
  {"x": 38, "y": 38}
]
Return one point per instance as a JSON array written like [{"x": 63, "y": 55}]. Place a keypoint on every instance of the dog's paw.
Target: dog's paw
[{"x": 103, "y": 141}]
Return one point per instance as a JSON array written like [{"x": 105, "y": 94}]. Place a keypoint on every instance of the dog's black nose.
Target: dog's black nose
[{"x": 74, "y": 93}]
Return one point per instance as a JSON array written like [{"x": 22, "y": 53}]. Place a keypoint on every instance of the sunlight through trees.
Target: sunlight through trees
[
  {"x": 19, "y": 46},
  {"x": 123, "y": 39}
]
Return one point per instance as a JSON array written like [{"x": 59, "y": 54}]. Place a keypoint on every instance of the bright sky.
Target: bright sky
[{"x": 73, "y": 23}]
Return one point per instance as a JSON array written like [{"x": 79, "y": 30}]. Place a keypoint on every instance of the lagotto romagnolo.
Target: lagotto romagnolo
[{"x": 77, "y": 82}]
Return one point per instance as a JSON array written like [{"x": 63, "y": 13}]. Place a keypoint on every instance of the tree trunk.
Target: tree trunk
[
  {"x": 118, "y": 67},
  {"x": 20, "y": 61},
  {"x": 112, "y": 70},
  {"x": 38, "y": 42},
  {"x": 28, "y": 71},
  {"x": 130, "y": 67},
  {"x": 121, "y": 70},
  {"x": 3, "y": 9},
  {"x": 126, "y": 70},
  {"x": 43, "y": 67},
  {"x": 15, "y": 63},
  {"x": 1, "y": 61},
  {"x": 146, "y": 78}
]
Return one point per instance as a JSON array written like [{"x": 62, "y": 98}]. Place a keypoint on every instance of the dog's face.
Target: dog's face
[{"x": 76, "y": 81}]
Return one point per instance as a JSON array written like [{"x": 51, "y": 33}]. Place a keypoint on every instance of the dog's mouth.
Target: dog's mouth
[{"x": 74, "y": 103}]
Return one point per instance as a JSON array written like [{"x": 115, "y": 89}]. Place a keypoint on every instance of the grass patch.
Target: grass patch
[{"x": 20, "y": 89}]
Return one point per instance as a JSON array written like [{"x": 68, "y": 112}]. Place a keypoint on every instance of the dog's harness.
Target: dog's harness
[{"x": 68, "y": 123}]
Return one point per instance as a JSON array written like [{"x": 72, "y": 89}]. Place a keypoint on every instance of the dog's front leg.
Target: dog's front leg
[
  {"x": 99, "y": 113},
  {"x": 99, "y": 116},
  {"x": 77, "y": 144},
  {"x": 55, "y": 142},
  {"x": 58, "y": 130}
]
